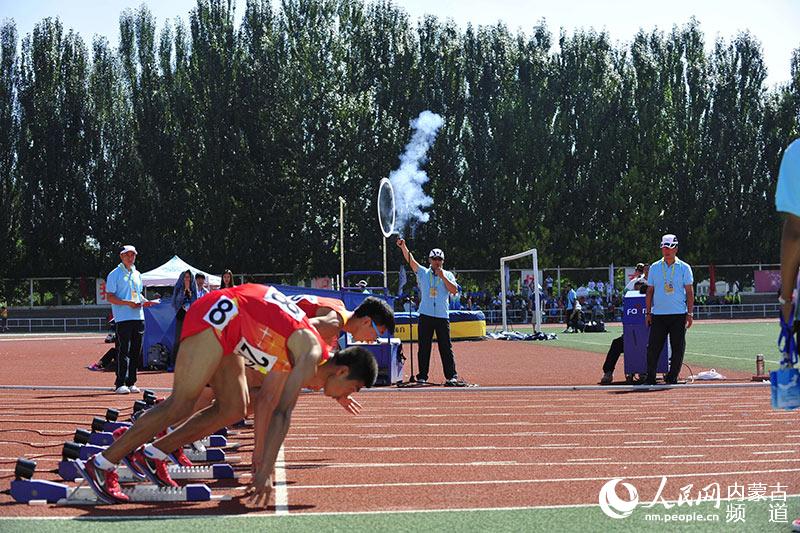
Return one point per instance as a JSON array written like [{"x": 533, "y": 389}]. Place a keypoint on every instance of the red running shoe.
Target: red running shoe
[
  {"x": 105, "y": 483},
  {"x": 133, "y": 461},
  {"x": 154, "y": 469},
  {"x": 180, "y": 458}
]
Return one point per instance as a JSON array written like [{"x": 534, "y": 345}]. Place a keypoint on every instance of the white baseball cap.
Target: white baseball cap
[
  {"x": 436, "y": 253},
  {"x": 669, "y": 241},
  {"x": 128, "y": 248}
]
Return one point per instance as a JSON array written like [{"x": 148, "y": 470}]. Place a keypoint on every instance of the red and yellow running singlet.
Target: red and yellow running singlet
[
  {"x": 312, "y": 304},
  {"x": 253, "y": 321}
]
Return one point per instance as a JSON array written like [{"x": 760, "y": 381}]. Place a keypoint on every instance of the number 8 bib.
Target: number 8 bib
[{"x": 221, "y": 313}]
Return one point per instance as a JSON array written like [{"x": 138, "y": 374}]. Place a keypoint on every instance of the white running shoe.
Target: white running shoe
[
  {"x": 134, "y": 389},
  {"x": 123, "y": 390}
]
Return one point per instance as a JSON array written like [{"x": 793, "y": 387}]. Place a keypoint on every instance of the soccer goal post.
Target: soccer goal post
[{"x": 536, "y": 282}]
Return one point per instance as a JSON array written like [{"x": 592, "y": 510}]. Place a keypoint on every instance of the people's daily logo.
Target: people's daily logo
[{"x": 612, "y": 505}]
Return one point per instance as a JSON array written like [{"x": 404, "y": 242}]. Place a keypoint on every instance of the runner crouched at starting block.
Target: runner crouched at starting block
[
  {"x": 272, "y": 335},
  {"x": 372, "y": 318}
]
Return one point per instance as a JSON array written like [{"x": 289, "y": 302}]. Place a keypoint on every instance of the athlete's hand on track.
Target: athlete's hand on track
[
  {"x": 260, "y": 489},
  {"x": 349, "y": 404}
]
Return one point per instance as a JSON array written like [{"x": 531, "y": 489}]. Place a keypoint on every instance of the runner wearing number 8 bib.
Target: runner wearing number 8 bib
[
  {"x": 224, "y": 333},
  {"x": 372, "y": 318}
]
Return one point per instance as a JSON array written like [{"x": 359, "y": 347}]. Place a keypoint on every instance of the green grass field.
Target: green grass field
[
  {"x": 720, "y": 346},
  {"x": 756, "y": 519}
]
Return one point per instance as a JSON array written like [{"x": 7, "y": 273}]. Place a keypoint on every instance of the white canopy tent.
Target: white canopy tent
[{"x": 169, "y": 272}]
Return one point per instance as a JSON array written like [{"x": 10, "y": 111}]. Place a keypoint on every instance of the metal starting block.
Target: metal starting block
[
  {"x": 210, "y": 455},
  {"x": 69, "y": 471},
  {"x": 213, "y": 455},
  {"x": 26, "y": 490}
]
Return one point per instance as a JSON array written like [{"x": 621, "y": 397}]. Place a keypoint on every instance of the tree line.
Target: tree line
[{"x": 230, "y": 144}]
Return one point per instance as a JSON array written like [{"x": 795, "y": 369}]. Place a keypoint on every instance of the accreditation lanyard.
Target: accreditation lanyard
[
  {"x": 434, "y": 281},
  {"x": 669, "y": 288},
  {"x": 134, "y": 293}
]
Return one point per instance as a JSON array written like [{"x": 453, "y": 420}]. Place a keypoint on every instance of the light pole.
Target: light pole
[{"x": 341, "y": 242}]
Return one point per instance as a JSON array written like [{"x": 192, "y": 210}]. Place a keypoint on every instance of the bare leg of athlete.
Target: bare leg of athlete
[
  {"x": 199, "y": 357},
  {"x": 231, "y": 398}
]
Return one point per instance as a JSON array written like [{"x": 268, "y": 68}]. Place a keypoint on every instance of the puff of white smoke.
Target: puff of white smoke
[{"x": 407, "y": 181}]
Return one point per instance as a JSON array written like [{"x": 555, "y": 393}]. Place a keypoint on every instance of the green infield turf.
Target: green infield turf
[
  {"x": 748, "y": 516},
  {"x": 732, "y": 345}
]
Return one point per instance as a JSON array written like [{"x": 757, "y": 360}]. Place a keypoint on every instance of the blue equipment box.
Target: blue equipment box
[{"x": 635, "y": 333}]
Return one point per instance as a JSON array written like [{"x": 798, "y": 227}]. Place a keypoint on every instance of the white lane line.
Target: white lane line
[
  {"x": 497, "y": 424},
  {"x": 311, "y": 514},
  {"x": 607, "y": 430},
  {"x": 753, "y": 425},
  {"x": 281, "y": 488},
  {"x": 49, "y": 339},
  {"x": 317, "y": 449},
  {"x": 774, "y": 452},
  {"x": 724, "y": 439},
  {"x": 533, "y": 481},
  {"x": 593, "y": 462},
  {"x": 682, "y": 456},
  {"x": 515, "y": 434},
  {"x": 680, "y": 428}
]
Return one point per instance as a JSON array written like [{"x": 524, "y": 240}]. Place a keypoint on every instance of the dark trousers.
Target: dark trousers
[
  {"x": 441, "y": 326},
  {"x": 675, "y": 327},
  {"x": 129, "y": 351},
  {"x": 614, "y": 351},
  {"x": 177, "y": 342}
]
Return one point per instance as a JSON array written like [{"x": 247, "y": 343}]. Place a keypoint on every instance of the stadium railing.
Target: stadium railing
[{"x": 31, "y": 325}]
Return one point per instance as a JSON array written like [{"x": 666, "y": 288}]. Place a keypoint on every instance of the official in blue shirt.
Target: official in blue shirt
[
  {"x": 125, "y": 293},
  {"x": 435, "y": 287},
  {"x": 668, "y": 307},
  {"x": 787, "y": 201}
]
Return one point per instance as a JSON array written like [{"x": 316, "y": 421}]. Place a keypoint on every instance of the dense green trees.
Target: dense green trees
[{"x": 230, "y": 145}]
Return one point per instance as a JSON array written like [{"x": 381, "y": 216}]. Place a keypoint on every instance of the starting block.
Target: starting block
[
  {"x": 26, "y": 490},
  {"x": 212, "y": 455},
  {"x": 69, "y": 471}
]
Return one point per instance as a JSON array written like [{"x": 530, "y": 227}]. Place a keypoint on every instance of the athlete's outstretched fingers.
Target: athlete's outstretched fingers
[{"x": 350, "y": 404}]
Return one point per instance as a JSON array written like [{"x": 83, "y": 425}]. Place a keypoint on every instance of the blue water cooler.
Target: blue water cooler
[
  {"x": 635, "y": 333},
  {"x": 387, "y": 354}
]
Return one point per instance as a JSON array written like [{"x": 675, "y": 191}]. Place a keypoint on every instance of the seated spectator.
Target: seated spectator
[
  {"x": 638, "y": 275},
  {"x": 575, "y": 320}
]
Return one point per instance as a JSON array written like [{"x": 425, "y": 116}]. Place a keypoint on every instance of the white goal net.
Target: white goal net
[{"x": 536, "y": 283}]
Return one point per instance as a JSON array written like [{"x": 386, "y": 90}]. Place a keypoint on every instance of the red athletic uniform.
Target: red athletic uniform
[
  {"x": 253, "y": 321},
  {"x": 312, "y": 304}
]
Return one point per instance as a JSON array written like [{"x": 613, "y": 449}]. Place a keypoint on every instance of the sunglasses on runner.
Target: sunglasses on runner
[{"x": 375, "y": 327}]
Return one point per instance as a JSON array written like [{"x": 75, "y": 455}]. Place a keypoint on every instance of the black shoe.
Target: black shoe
[{"x": 671, "y": 381}]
